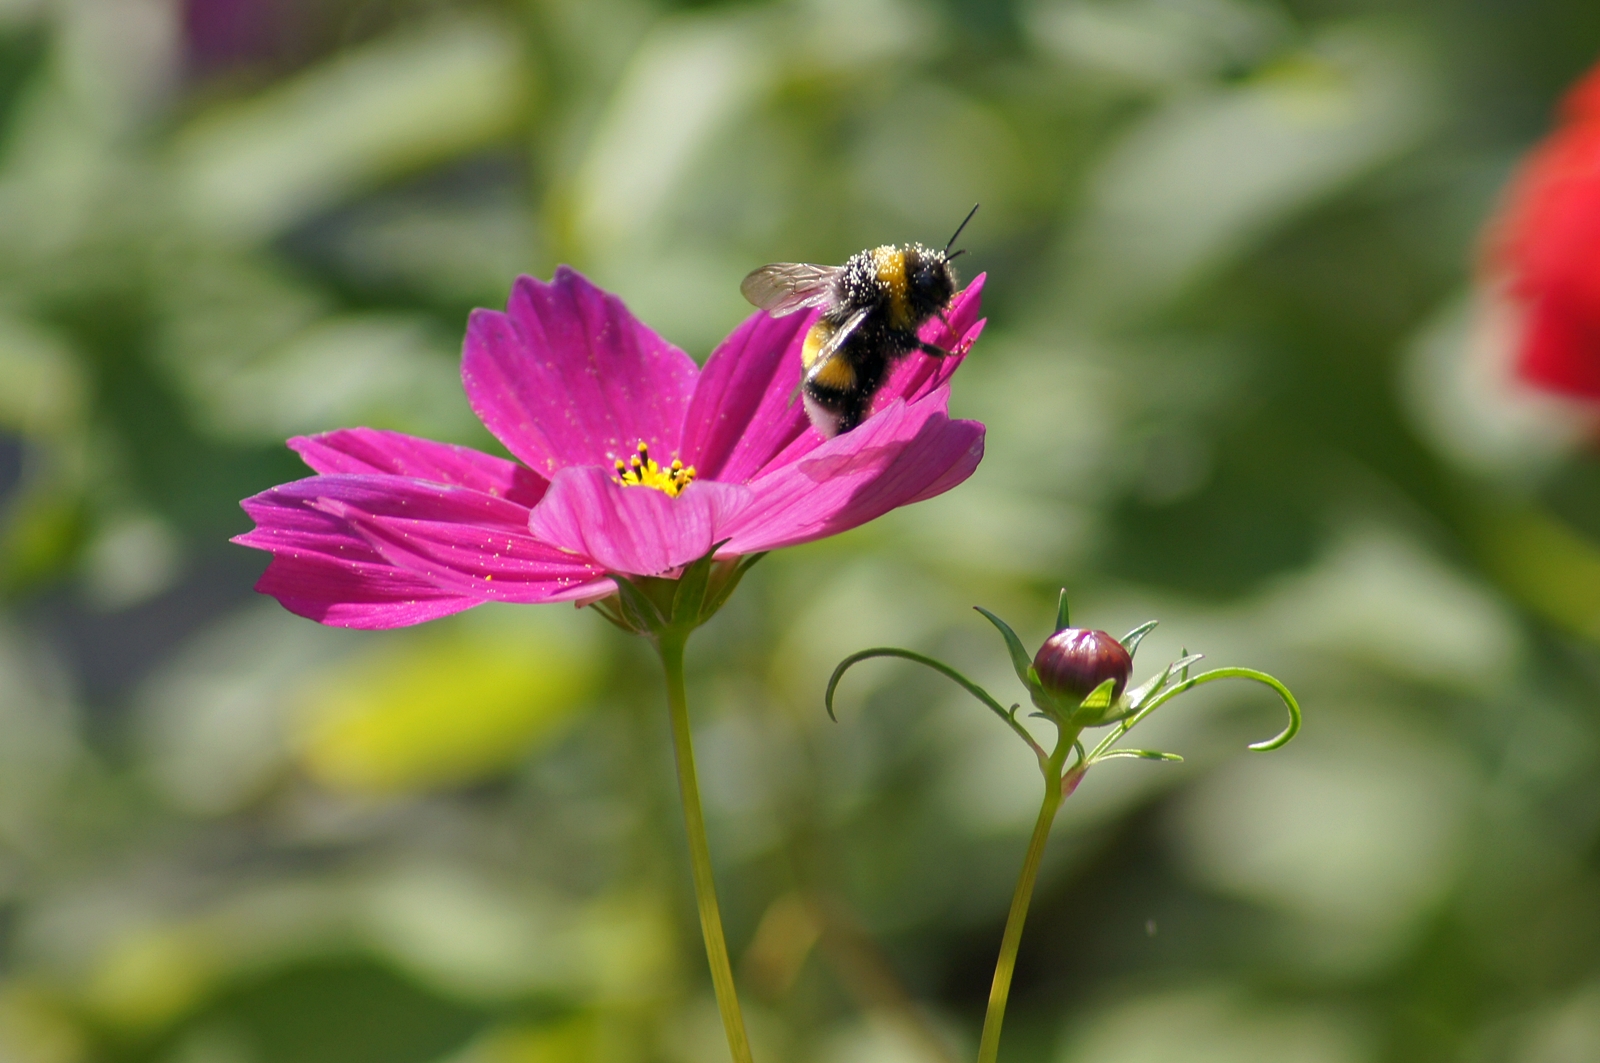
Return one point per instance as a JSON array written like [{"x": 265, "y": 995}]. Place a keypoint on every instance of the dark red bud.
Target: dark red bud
[{"x": 1074, "y": 661}]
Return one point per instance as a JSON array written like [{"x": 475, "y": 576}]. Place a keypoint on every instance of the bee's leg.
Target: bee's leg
[{"x": 933, "y": 349}]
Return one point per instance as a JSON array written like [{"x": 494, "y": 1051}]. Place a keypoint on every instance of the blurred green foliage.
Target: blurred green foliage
[{"x": 1237, "y": 378}]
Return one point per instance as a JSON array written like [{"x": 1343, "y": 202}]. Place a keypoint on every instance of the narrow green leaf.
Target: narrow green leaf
[
  {"x": 1280, "y": 739},
  {"x": 1131, "y": 640},
  {"x": 1181, "y": 665},
  {"x": 1139, "y": 754},
  {"x": 909, "y": 655},
  {"x": 1062, "y": 619},
  {"x": 1144, "y": 691},
  {"x": 1020, "y": 658},
  {"x": 943, "y": 669},
  {"x": 1150, "y": 687}
]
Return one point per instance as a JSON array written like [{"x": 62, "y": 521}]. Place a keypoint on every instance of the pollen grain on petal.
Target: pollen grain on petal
[{"x": 641, "y": 470}]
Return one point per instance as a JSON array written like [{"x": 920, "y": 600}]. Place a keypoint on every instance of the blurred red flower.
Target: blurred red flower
[{"x": 1544, "y": 249}]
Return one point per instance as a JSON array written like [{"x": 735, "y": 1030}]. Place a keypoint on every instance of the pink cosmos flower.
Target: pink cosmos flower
[{"x": 396, "y": 530}]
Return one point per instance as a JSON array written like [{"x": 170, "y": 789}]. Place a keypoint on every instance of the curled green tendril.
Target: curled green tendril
[
  {"x": 1277, "y": 742},
  {"x": 943, "y": 669}
]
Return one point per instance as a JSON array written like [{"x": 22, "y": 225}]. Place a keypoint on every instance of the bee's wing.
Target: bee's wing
[
  {"x": 842, "y": 333},
  {"x": 829, "y": 348},
  {"x": 784, "y": 287}
]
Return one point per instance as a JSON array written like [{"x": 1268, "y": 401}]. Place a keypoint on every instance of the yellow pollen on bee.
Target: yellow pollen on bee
[
  {"x": 641, "y": 470},
  {"x": 889, "y": 262}
]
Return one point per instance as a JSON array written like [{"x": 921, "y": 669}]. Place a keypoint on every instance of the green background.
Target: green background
[{"x": 1238, "y": 377}]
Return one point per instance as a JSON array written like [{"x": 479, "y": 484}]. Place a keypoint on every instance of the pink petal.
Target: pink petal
[
  {"x": 370, "y": 450},
  {"x": 566, "y": 376},
  {"x": 919, "y": 374},
  {"x": 474, "y": 559},
  {"x": 354, "y": 539},
  {"x": 322, "y": 569},
  {"x": 906, "y": 453},
  {"x": 398, "y": 496},
  {"x": 341, "y": 594},
  {"x": 634, "y": 531},
  {"x": 745, "y": 409}
]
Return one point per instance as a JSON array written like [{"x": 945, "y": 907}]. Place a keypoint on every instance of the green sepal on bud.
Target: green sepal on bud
[{"x": 1097, "y": 702}]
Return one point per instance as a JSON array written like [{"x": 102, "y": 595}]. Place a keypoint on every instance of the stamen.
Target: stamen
[{"x": 643, "y": 471}]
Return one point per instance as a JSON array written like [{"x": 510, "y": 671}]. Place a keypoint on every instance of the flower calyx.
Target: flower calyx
[{"x": 661, "y": 606}]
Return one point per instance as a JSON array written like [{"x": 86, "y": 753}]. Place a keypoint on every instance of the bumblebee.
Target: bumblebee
[{"x": 875, "y": 303}]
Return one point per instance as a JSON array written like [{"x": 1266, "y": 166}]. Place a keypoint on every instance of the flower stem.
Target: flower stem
[
  {"x": 671, "y": 646},
  {"x": 1000, "y": 989}
]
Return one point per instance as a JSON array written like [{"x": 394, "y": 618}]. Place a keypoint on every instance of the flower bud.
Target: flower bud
[{"x": 1075, "y": 660}]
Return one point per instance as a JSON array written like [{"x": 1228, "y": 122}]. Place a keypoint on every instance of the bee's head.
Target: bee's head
[{"x": 930, "y": 280}]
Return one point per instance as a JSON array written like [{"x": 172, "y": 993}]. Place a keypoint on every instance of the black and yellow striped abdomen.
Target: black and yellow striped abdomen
[{"x": 892, "y": 291}]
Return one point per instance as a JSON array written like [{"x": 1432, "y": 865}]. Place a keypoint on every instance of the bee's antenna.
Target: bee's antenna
[
  {"x": 963, "y": 225},
  {"x": 952, "y": 256}
]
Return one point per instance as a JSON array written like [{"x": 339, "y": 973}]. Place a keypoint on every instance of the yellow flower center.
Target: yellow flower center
[{"x": 642, "y": 471}]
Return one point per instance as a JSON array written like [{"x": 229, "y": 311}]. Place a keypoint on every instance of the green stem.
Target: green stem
[
  {"x": 1000, "y": 990},
  {"x": 671, "y": 646}
]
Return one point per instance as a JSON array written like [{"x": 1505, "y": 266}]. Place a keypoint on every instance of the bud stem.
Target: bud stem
[
  {"x": 670, "y": 644},
  {"x": 1005, "y": 966}
]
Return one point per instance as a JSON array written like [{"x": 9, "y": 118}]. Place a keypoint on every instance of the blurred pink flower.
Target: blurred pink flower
[
  {"x": 1544, "y": 250},
  {"x": 395, "y": 530}
]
